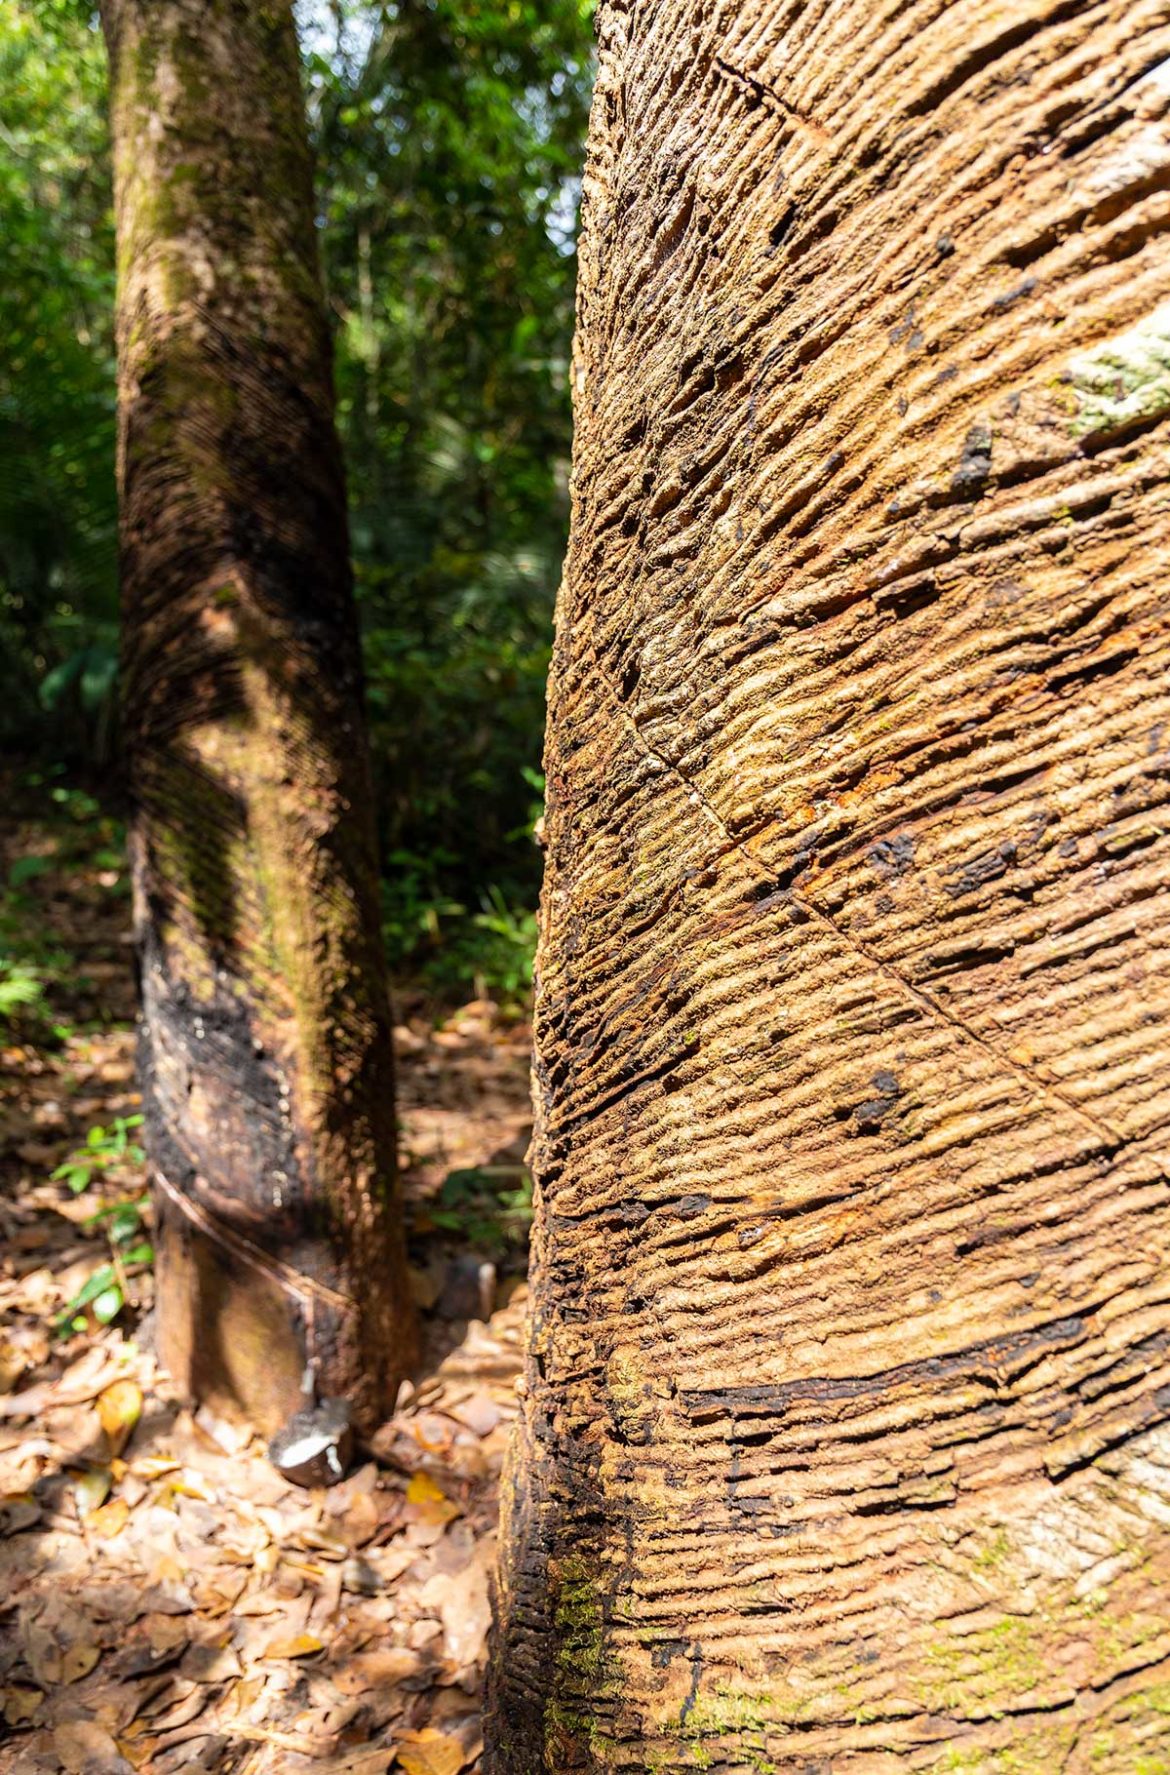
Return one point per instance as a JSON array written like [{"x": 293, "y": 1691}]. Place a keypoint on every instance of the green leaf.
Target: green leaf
[
  {"x": 125, "y": 1220},
  {"x": 108, "y": 1304},
  {"x": 28, "y": 869},
  {"x": 102, "y": 1279},
  {"x": 76, "y": 1173}
]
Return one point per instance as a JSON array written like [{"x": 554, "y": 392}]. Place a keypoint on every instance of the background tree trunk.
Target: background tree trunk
[
  {"x": 846, "y": 1443},
  {"x": 266, "y": 1049}
]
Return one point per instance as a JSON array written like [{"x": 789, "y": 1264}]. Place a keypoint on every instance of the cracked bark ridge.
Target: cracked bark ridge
[
  {"x": 846, "y": 1437},
  {"x": 266, "y": 1048}
]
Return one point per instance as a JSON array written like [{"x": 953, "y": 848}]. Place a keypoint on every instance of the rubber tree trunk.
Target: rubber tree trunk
[
  {"x": 846, "y": 1442},
  {"x": 266, "y": 1047}
]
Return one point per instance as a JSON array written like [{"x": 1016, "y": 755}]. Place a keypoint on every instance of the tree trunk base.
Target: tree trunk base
[{"x": 235, "y": 1330}]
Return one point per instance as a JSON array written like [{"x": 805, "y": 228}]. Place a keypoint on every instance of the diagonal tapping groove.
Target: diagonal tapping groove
[
  {"x": 925, "y": 1001},
  {"x": 762, "y": 91}
]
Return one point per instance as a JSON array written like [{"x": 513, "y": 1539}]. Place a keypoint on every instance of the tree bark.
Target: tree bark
[
  {"x": 846, "y": 1437},
  {"x": 266, "y": 1045}
]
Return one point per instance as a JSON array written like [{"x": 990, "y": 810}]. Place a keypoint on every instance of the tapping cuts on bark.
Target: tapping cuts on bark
[
  {"x": 846, "y": 1439},
  {"x": 266, "y": 1049}
]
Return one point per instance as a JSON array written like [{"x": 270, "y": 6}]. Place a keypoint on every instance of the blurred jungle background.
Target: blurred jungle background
[{"x": 449, "y": 136}]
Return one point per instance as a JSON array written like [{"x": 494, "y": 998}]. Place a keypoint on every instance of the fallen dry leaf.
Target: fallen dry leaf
[
  {"x": 317, "y": 1540},
  {"x": 13, "y": 1365},
  {"x": 164, "y": 1633},
  {"x": 359, "y": 1762},
  {"x": 166, "y": 1640},
  {"x": 190, "y": 1484},
  {"x": 466, "y": 1611},
  {"x": 21, "y": 1704},
  {"x": 221, "y": 1590},
  {"x": 247, "y": 1692},
  {"x": 109, "y": 1519},
  {"x": 190, "y": 1703},
  {"x": 42, "y": 1654},
  {"x": 430, "y": 1752},
  {"x": 85, "y": 1748},
  {"x": 480, "y": 1413},
  {"x": 91, "y": 1489},
  {"x": 153, "y": 1466},
  {"x": 299, "y": 1743},
  {"x": 377, "y": 1670},
  {"x": 300, "y": 1645},
  {"x": 210, "y": 1664},
  {"x": 225, "y": 1437},
  {"x": 77, "y": 1661},
  {"x": 119, "y": 1409},
  {"x": 261, "y": 1603},
  {"x": 361, "y": 1521},
  {"x": 88, "y": 1377},
  {"x": 428, "y": 1502},
  {"x": 17, "y": 1514}
]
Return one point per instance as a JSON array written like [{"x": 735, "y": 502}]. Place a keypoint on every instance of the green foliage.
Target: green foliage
[
  {"x": 31, "y": 966},
  {"x": 37, "y": 970},
  {"x": 123, "y": 1221},
  {"x": 26, "y": 869},
  {"x": 22, "y": 991},
  {"x": 107, "y": 1150},
  {"x": 103, "y": 1148},
  {"x": 99, "y": 1291},
  {"x": 104, "y": 1292},
  {"x": 58, "y": 595},
  {"x": 450, "y": 135},
  {"x": 489, "y": 952},
  {"x": 79, "y": 805},
  {"x": 452, "y": 947},
  {"x": 489, "y": 1206},
  {"x": 505, "y": 945}
]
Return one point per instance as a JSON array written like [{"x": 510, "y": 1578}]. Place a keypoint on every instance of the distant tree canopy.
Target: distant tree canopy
[
  {"x": 58, "y": 587},
  {"x": 449, "y": 136}
]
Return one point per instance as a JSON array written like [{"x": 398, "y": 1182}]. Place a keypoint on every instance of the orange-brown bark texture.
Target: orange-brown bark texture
[
  {"x": 266, "y": 1049},
  {"x": 846, "y": 1440}
]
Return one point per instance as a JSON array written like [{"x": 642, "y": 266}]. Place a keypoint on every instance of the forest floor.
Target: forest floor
[{"x": 167, "y": 1601}]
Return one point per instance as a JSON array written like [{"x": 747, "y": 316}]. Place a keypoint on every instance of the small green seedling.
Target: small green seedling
[{"x": 103, "y": 1148}]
